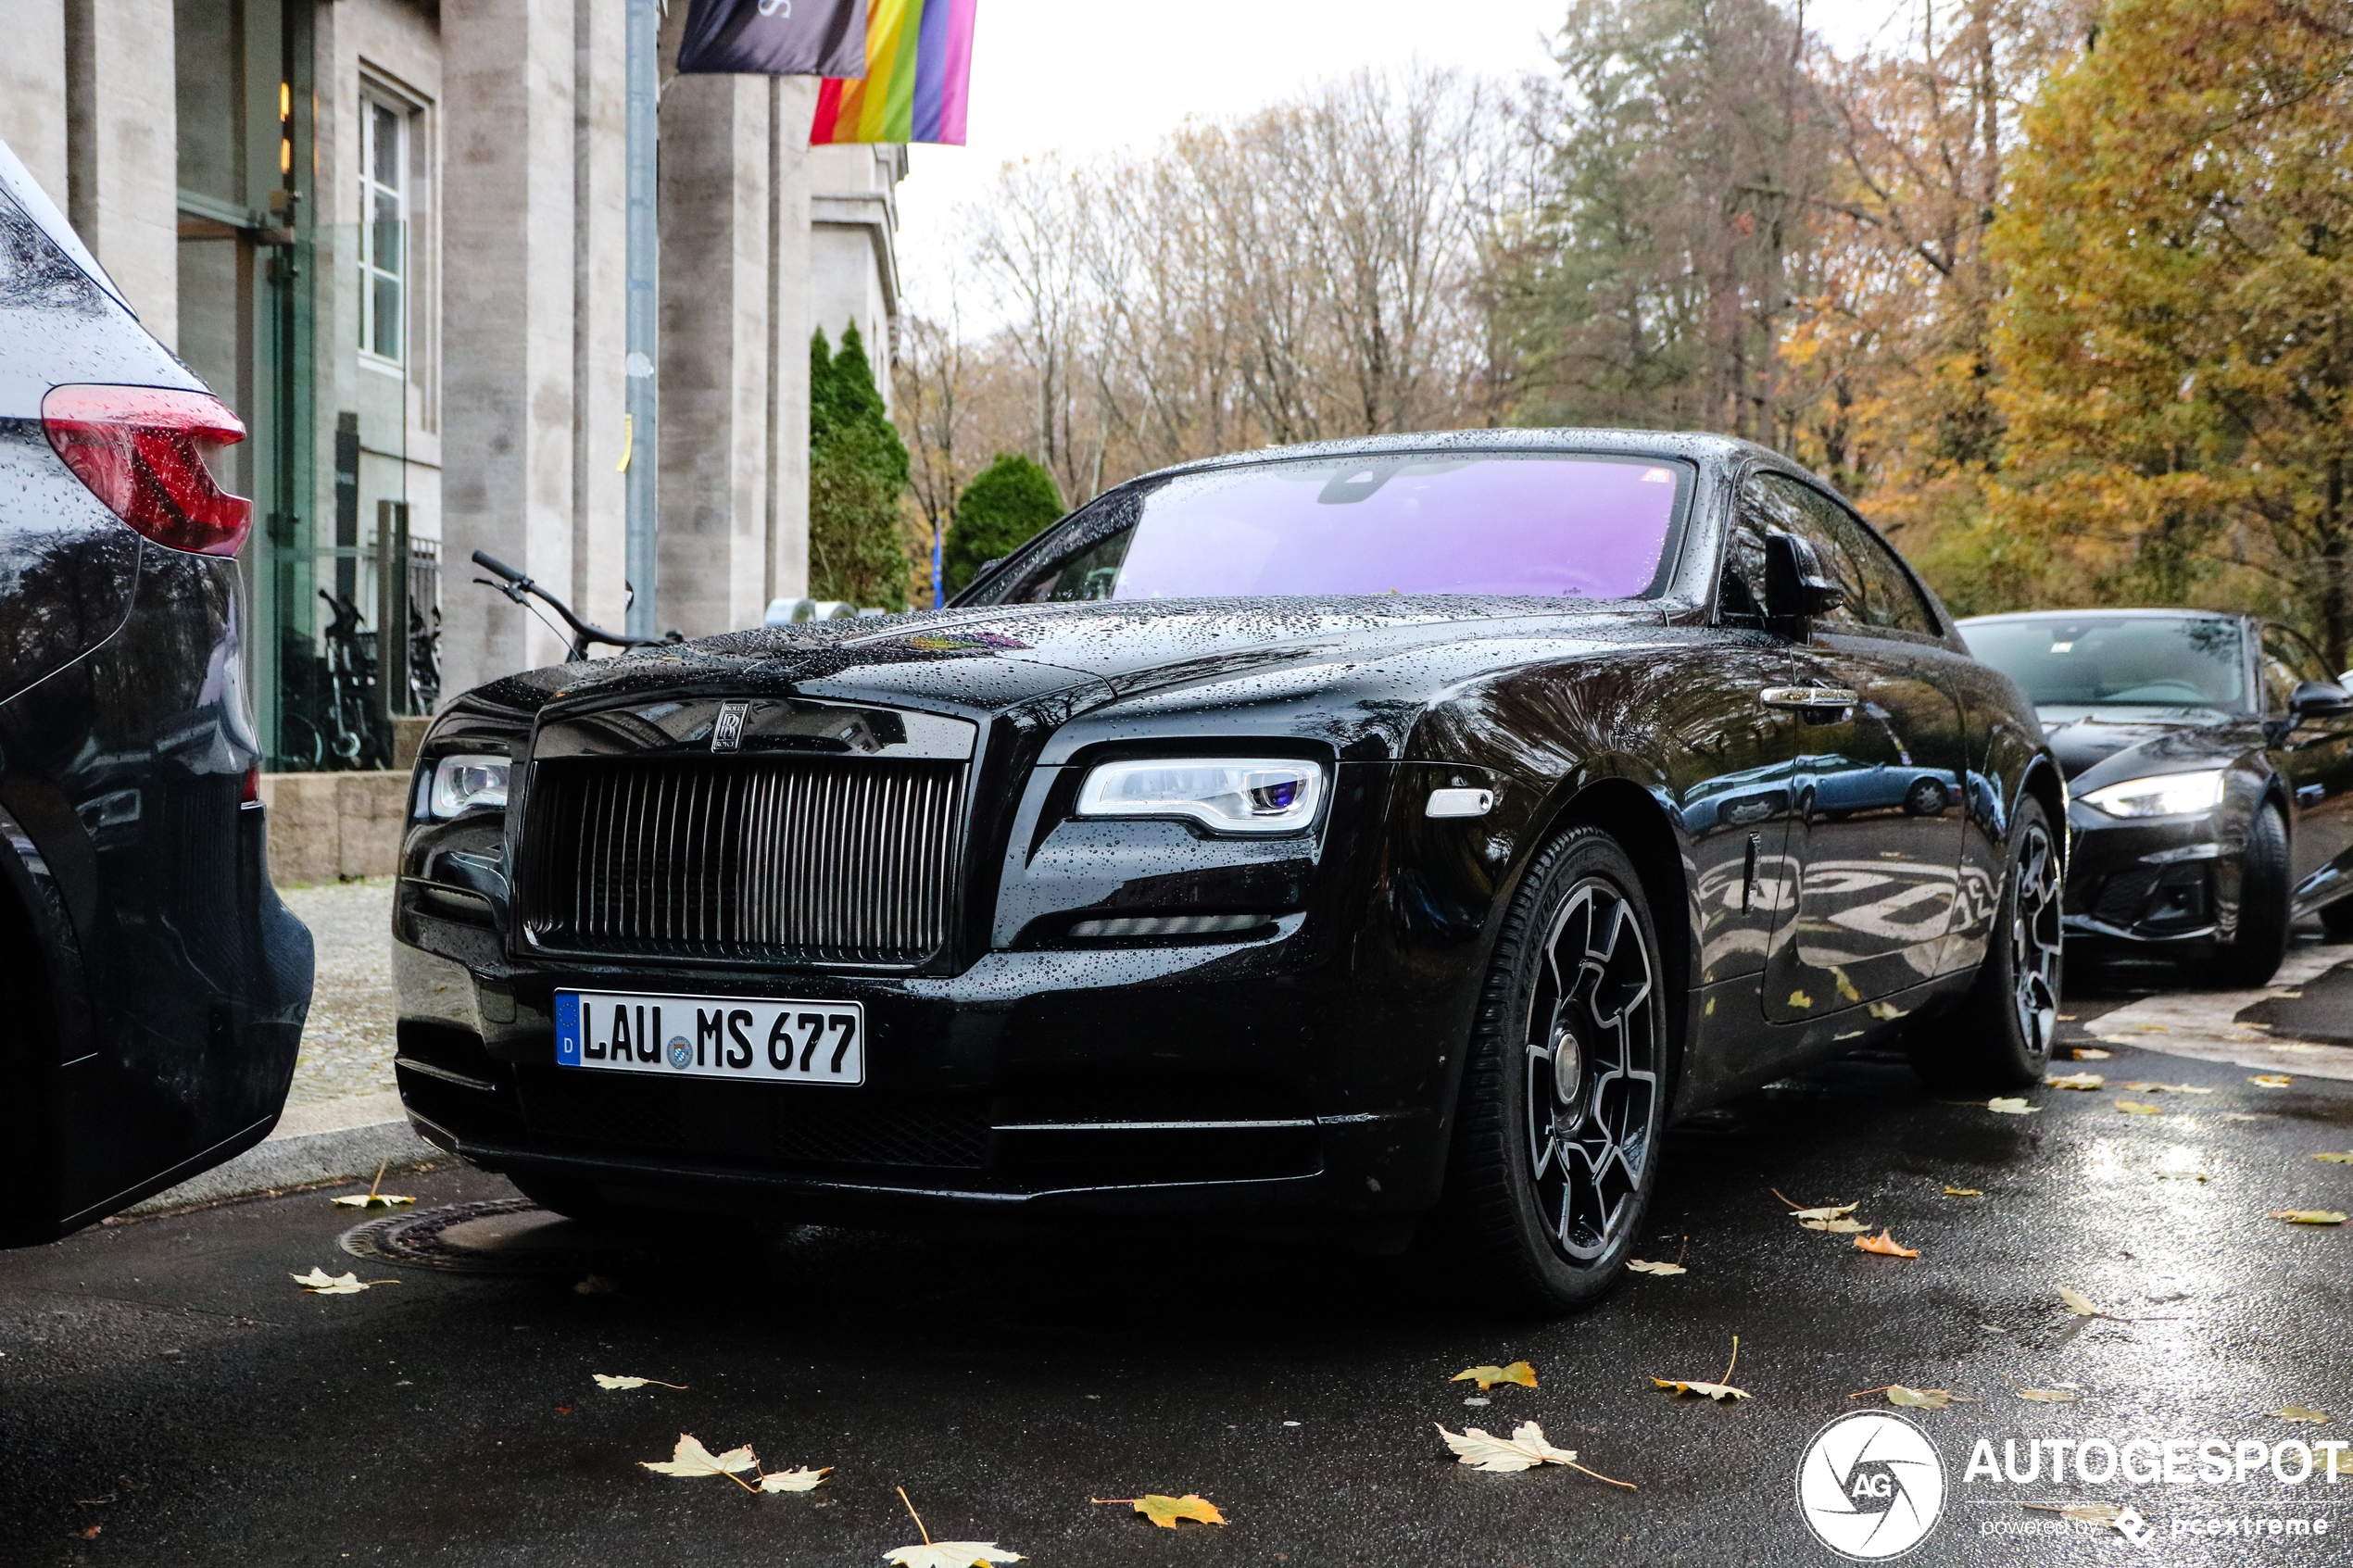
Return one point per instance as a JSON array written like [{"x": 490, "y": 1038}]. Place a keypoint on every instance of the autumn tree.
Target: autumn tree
[{"x": 2178, "y": 334}]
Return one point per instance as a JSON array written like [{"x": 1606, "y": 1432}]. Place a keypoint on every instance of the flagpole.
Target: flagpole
[{"x": 642, "y": 558}]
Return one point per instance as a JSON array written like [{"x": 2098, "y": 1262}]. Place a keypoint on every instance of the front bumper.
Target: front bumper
[
  {"x": 1251, "y": 1076},
  {"x": 2158, "y": 882}
]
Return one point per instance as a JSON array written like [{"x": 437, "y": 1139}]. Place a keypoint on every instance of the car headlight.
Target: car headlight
[
  {"x": 1225, "y": 795},
  {"x": 462, "y": 783},
  {"x": 2167, "y": 794}
]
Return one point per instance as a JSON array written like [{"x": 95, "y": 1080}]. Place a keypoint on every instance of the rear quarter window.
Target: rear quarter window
[{"x": 34, "y": 273}]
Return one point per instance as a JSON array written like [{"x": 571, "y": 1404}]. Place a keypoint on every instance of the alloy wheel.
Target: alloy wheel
[
  {"x": 2035, "y": 940},
  {"x": 1593, "y": 1080}
]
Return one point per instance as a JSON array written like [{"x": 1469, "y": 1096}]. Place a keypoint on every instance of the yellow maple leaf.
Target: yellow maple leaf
[
  {"x": 2301, "y": 1412},
  {"x": 690, "y": 1458},
  {"x": 2047, "y": 1395},
  {"x": 2271, "y": 1080},
  {"x": 1638, "y": 1266},
  {"x": 2309, "y": 1216},
  {"x": 2079, "y": 1304},
  {"x": 2335, "y": 1159},
  {"x": 1719, "y": 1390},
  {"x": 1919, "y": 1398},
  {"x": 1488, "y": 1376},
  {"x": 2012, "y": 1105},
  {"x": 1884, "y": 1244},
  {"x": 1165, "y": 1511},
  {"x": 2137, "y": 1108},
  {"x": 1963, "y": 1192},
  {"x": 2090, "y": 1053},
  {"x": 2074, "y": 1081}
]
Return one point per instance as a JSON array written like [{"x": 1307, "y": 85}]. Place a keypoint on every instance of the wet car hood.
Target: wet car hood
[
  {"x": 1051, "y": 663},
  {"x": 2101, "y": 745}
]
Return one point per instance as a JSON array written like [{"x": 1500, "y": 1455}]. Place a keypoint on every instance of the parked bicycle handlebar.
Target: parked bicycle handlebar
[{"x": 517, "y": 587}]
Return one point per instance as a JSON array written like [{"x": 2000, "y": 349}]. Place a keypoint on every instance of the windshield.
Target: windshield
[
  {"x": 2090, "y": 660},
  {"x": 1569, "y": 527}
]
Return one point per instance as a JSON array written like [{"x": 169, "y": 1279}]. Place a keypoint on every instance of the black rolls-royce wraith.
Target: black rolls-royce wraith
[{"x": 1359, "y": 831}]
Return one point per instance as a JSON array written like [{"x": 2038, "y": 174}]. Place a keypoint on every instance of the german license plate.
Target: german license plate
[{"x": 792, "y": 1042}]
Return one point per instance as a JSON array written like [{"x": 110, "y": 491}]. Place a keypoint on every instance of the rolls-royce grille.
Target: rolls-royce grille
[{"x": 819, "y": 859}]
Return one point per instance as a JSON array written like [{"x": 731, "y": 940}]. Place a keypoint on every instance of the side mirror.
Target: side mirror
[
  {"x": 1797, "y": 588},
  {"x": 2318, "y": 699}
]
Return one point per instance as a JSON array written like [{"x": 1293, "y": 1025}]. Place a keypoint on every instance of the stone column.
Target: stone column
[
  {"x": 715, "y": 352},
  {"x": 599, "y": 327},
  {"x": 33, "y": 91},
  {"x": 509, "y": 272},
  {"x": 122, "y": 156}
]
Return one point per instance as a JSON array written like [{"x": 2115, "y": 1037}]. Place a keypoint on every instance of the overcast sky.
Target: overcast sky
[{"x": 1082, "y": 77}]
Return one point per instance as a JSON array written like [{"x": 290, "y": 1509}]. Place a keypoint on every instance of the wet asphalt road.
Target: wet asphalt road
[{"x": 166, "y": 1384}]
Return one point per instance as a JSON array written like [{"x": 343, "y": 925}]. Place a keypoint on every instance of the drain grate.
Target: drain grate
[{"x": 495, "y": 1236}]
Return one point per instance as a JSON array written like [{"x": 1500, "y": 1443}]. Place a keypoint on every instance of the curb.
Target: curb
[{"x": 342, "y": 1140}]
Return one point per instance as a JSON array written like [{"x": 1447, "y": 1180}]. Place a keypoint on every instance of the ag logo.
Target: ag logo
[
  {"x": 1871, "y": 1486},
  {"x": 681, "y": 1053}
]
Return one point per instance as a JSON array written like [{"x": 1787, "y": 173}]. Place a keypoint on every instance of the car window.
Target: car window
[
  {"x": 1553, "y": 524},
  {"x": 1878, "y": 591},
  {"x": 1740, "y": 601},
  {"x": 2085, "y": 658},
  {"x": 2288, "y": 662}
]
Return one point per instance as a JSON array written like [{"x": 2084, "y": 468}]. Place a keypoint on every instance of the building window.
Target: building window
[{"x": 383, "y": 236}]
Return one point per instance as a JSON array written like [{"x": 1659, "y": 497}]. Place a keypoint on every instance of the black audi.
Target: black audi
[
  {"x": 1353, "y": 833},
  {"x": 2210, "y": 758}
]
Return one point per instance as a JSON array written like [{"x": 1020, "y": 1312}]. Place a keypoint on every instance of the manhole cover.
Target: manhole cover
[{"x": 496, "y": 1236}]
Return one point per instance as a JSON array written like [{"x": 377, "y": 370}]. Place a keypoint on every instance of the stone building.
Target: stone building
[{"x": 389, "y": 233}]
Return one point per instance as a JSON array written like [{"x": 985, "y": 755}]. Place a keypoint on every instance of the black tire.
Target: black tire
[
  {"x": 2259, "y": 941},
  {"x": 1545, "y": 1209},
  {"x": 2000, "y": 1036}
]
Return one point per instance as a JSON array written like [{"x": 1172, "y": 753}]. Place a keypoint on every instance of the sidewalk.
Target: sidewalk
[{"x": 343, "y": 1115}]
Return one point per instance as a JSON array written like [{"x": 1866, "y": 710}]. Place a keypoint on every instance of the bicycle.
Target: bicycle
[{"x": 522, "y": 589}]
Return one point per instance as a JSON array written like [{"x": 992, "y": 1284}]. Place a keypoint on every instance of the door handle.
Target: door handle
[{"x": 1808, "y": 696}]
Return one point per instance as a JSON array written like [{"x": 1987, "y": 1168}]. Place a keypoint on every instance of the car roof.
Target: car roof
[{"x": 1694, "y": 446}]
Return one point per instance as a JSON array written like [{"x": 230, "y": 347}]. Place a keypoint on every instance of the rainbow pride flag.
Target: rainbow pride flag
[{"x": 919, "y": 59}]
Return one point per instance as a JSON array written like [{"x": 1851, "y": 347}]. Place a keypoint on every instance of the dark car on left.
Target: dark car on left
[{"x": 156, "y": 985}]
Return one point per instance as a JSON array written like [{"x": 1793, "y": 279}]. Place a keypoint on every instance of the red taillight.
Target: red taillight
[
  {"x": 251, "y": 793},
  {"x": 141, "y": 450}
]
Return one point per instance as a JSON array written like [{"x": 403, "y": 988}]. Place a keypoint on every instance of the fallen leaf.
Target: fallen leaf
[
  {"x": 2271, "y": 1080},
  {"x": 803, "y": 1480},
  {"x": 1963, "y": 1192},
  {"x": 2167, "y": 1088},
  {"x": 2075, "y": 1081},
  {"x": 950, "y": 1554},
  {"x": 1638, "y": 1266},
  {"x": 2335, "y": 1159},
  {"x": 1800, "y": 1000},
  {"x": 596, "y": 1285},
  {"x": 2012, "y": 1106},
  {"x": 1884, "y": 1244},
  {"x": 1919, "y": 1398},
  {"x": 1836, "y": 1227},
  {"x": 2137, "y": 1108},
  {"x": 319, "y": 1283},
  {"x": 2047, "y": 1395},
  {"x": 1488, "y": 1376},
  {"x": 1166, "y": 1511},
  {"x": 606, "y": 1380},
  {"x": 2081, "y": 1305},
  {"x": 1827, "y": 1211},
  {"x": 1524, "y": 1450},
  {"x": 2180, "y": 1176},
  {"x": 2340, "y": 1463},
  {"x": 692, "y": 1458},
  {"x": 371, "y": 1200},
  {"x": 945, "y": 1554},
  {"x": 2090, "y": 1512},
  {"x": 2242, "y": 1116},
  {"x": 2091, "y": 1053},
  {"x": 2309, "y": 1216},
  {"x": 2301, "y": 1412},
  {"x": 1720, "y": 1390}
]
